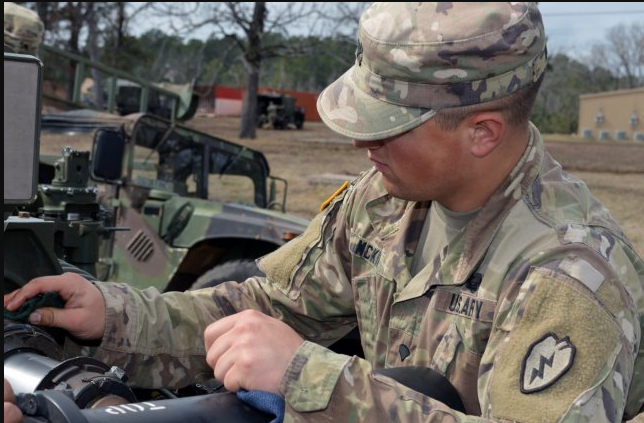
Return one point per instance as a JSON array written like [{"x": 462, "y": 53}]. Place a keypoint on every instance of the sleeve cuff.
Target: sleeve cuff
[
  {"x": 117, "y": 329},
  {"x": 310, "y": 379}
]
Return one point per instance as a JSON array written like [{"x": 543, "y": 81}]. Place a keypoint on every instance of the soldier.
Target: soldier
[
  {"x": 272, "y": 115},
  {"x": 465, "y": 249}
]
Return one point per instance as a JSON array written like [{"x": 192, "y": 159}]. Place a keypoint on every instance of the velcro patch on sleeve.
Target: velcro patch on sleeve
[
  {"x": 279, "y": 265},
  {"x": 562, "y": 345}
]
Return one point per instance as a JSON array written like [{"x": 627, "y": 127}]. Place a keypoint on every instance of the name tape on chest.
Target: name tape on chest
[{"x": 367, "y": 251}]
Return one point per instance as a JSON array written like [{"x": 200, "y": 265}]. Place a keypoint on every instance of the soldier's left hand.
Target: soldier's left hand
[
  {"x": 12, "y": 413},
  {"x": 250, "y": 350}
]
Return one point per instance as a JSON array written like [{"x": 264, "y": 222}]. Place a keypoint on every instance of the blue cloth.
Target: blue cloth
[{"x": 267, "y": 402}]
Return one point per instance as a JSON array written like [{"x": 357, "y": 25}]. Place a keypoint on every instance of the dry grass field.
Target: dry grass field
[{"x": 315, "y": 161}]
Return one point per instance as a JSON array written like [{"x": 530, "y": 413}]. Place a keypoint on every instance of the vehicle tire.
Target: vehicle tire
[{"x": 233, "y": 270}]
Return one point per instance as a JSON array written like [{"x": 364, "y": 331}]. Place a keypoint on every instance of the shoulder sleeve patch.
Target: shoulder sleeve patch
[
  {"x": 335, "y": 194},
  {"x": 564, "y": 344},
  {"x": 547, "y": 360}
]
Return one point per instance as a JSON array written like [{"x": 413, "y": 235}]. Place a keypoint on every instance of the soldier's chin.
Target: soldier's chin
[
  {"x": 404, "y": 193},
  {"x": 395, "y": 190}
]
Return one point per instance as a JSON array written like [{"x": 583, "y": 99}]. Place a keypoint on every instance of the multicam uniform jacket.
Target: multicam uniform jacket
[{"x": 533, "y": 312}]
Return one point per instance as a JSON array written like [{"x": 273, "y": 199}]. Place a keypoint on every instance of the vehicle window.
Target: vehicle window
[{"x": 235, "y": 188}]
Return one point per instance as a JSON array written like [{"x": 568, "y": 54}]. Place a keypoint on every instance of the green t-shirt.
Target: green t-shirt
[{"x": 440, "y": 227}]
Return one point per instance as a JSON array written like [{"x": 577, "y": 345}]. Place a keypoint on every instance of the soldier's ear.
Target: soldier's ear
[{"x": 486, "y": 131}]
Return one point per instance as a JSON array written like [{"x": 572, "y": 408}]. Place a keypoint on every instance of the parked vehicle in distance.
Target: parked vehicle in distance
[{"x": 279, "y": 111}]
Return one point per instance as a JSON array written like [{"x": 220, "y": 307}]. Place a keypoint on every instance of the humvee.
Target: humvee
[{"x": 185, "y": 209}]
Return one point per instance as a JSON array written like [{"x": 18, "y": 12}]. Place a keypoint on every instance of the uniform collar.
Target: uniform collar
[{"x": 483, "y": 227}]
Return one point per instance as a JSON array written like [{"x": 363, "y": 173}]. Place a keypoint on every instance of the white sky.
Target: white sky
[{"x": 572, "y": 28}]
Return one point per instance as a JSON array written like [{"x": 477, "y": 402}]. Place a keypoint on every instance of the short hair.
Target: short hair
[{"x": 515, "y": 107}]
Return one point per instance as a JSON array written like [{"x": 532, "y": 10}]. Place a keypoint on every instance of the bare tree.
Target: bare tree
[
  {"x": 622, "y": 53},
  {"x": 248, "y": 24},
  {"x": 120, "y": 17},
  {"x": 344, "y": 18},
  {"x": 67, "y": 24},
  {"x": 96, "y": 29},
  {"x": 254, "y": 29},
  {"x": 64, "y": 22}
]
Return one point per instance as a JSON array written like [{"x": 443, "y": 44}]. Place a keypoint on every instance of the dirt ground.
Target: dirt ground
[{"x": 316, "y": 162}]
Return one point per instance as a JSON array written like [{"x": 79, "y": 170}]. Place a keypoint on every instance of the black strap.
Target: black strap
[{"x": 428, "y": 382}]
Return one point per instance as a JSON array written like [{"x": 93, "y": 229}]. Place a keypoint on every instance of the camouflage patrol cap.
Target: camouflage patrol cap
[
  {"x": 416, "y": 58},
  {"x": 23, "y": 28}
]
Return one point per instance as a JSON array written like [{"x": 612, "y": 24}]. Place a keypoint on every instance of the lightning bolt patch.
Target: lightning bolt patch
[
  {"x": 543, "y": 362},
  {"x": 547, "y": 360}
]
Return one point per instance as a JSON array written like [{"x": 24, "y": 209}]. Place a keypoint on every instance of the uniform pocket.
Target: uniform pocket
[
  {"x": 366, "y": 307},
  {"x": 446, "y": 349},
  {"x": 373, "y": 297},
  {"x": 460, "y": 365}
]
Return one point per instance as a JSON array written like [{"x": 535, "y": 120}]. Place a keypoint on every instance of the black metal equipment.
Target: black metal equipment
[
  {"x": 32, "y": 362},
  {"x": 57, "y": 407},
  {"x": 85, "y": 390}
]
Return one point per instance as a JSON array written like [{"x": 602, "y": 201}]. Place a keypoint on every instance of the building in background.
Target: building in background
[
  {"x": 227, "y": 101},
  {"x": 612, "y": 115}
]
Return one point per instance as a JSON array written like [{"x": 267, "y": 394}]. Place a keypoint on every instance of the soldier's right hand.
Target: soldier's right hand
[{"x": 83, "y": 315}]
